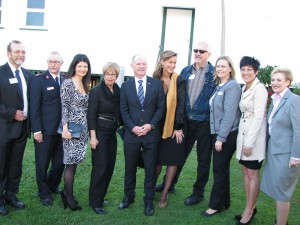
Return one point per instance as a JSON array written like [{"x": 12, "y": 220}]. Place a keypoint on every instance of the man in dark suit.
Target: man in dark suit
[
  {"x": 14, "y": 124},
  {"x": 142, "y": 107},
  {"x": 45, "y": 114}
]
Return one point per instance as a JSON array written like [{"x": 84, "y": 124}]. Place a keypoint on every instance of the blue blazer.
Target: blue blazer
[
  {"x": 11, "y": 101},
  {"x": 45, "y": 103},
  {"x": 285, "y": 133},
  {"x": 134, "y": 114}
]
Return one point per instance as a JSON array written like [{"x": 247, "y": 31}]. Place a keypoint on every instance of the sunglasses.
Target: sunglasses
[{"x": 198, "y": 50}]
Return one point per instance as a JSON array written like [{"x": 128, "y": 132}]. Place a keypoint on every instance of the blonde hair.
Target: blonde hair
[
  {"x": 111, "y": 66},
  {"x": 230, "y": 63},
  {"x": 288, "y": 75}
]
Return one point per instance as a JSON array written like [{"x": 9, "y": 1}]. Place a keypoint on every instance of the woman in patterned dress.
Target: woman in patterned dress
[{"x": 74, "y": 100}]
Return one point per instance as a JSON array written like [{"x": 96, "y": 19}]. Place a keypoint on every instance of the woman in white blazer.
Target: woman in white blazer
[
  {"x": 281, "y": 171},
  {"x": 251, "y": 140}
]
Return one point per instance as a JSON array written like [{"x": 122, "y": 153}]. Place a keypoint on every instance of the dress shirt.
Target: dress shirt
[
  {"x": 24, "y": 86},
  {"x": 137, "y": 84}
]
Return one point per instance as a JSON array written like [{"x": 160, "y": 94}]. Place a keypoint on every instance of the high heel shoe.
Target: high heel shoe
[
  {"x": 239, "y": 217},
  {"x": 249, "y": 221},
  {"x": 66, "y": 203},
  {"x": 163, "y": 204}
]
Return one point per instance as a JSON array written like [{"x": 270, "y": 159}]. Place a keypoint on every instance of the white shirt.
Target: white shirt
[
  {"x": 24, "y": 87},
  {"x": 137, "y": 84}
]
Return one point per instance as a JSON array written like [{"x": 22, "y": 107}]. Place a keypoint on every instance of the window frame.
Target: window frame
[{"x": 35, "y": 10}]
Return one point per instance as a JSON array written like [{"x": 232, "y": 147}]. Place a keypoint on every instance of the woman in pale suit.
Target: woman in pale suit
[
  {"x": 282, "y": 169},
  {"x": 251, "y": 140}
]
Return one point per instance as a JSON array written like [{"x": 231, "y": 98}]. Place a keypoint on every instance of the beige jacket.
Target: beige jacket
[{"x": 253, "y": 124}]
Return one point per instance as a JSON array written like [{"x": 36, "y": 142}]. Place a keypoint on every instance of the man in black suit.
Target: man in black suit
[
  {"x": 45, "y": 114},
  {"x": 142, "y": 107},
  {"x": 14, "y": 124}
]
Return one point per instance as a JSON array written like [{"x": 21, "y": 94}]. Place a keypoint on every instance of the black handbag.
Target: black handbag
[{"x": 74, "y": 128}]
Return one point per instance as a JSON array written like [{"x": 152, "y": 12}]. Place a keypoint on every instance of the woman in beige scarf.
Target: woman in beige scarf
[{"x": 171, "y": 147}]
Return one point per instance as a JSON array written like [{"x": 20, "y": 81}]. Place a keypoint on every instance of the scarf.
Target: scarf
[{"x": 171, "y": 107}]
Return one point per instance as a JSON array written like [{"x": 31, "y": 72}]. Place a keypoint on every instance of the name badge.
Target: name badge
[
  {"x": 13, "y": 80},
  {"x": 50, "y": 88},
  {"x": 220, "y": 93},
  {"x": 192, "y": 77}
]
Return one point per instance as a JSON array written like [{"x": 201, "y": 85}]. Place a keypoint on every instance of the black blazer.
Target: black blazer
[
  {"x": 133, "y": 114},
  {"x": 45, "y": 103},
  {"x": 103, "y": 102},
  {"x": 11, "y": 101}
]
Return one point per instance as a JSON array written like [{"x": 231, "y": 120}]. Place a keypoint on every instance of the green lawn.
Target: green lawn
[{"x": 175, "y": 212}]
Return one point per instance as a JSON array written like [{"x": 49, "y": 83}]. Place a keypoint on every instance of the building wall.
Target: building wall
[{"x": 103, "y": 30}]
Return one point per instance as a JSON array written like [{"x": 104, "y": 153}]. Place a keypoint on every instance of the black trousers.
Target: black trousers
[
  {"x": 198, "y": 131},
  {"x": 220, "y": 193},
  {"x": 11, "y": 157},
  {"x": 132, "y": 153},
  {"x": 103, "y": 164},
  {"x": 50, "y": 150}
]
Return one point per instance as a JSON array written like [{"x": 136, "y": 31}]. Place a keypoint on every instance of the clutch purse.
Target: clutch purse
[{"x": 74, "y": 128}]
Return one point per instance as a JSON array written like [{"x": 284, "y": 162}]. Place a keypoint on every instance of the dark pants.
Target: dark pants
[
  {"x": 103, "y": 164},
  {"x": 198, "y": 131},
  {"x": 220, "y": 193},
  {"x": 132, "y": 153},
  {"x": 50, "y": 150},
  {"x": 11, "y": 157}
]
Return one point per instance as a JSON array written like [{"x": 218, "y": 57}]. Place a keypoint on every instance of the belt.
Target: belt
[{"x": 107, "y": 118}]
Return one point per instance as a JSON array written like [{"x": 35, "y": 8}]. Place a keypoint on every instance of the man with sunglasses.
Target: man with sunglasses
[{"x": 199, "y": 87}]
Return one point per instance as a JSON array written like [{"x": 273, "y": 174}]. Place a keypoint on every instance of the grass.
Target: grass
[{"x": 175, "y": 212}]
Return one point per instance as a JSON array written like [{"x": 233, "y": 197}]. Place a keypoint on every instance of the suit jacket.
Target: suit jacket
[
  {"x": 134, "y": 114},
  {"x": 11, "y": 101},
  {"x": 285, "y": 133},
  {"x": 253, "y": 124},
  {"x": 45, "y": 103},
  {"x": 224, "y": 109}
]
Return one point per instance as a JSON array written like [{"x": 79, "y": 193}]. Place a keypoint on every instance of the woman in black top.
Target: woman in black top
[{"x": 103, "y": 121}]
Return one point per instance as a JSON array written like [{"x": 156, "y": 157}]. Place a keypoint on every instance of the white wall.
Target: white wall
[{"x": 116, "y": 30}]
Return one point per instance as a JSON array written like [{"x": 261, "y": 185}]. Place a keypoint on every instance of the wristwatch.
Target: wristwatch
[{"x": 152, "y": 126}]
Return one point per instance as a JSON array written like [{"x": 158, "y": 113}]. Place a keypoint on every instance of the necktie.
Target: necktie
[
  {"x": 19, "y": 82},
  {"x": 56, "y": 80},
  {"x": 141, "y": 92}
]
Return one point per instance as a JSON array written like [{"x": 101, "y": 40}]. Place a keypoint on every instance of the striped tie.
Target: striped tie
[{"x": 141, "y": 93}]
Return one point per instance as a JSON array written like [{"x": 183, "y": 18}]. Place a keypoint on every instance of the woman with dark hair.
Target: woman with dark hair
[
  {"x": 171, "y": 147},
  {"x": 103, "y": 121},
  {"x": 224, "y": 122},
  {"x": 74, "y": 100},
  {"x": 251, "y": 140}
]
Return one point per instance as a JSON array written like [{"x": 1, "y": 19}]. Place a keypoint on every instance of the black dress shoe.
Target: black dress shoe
[
  {"x": 149, "y": 209},
  {"x": 239, "y": 217},
  {"x": 47, "y": 201},
  {"x": 15, "y": 202},
  {"x": 3, "y": 210},
  {"x": 206, "y": 214},
  {"x": 125, "y": 203},
  {"x": 100, "y": 211},
  {"x": 192, "y": 200},
  {"x": 55, "y": 190}
]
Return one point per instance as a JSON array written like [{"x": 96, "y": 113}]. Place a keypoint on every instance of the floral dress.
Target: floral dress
[{"x": 74, "y": 109}]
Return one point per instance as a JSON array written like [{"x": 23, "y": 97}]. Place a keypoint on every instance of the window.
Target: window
[{"x": 35, "y": 13}]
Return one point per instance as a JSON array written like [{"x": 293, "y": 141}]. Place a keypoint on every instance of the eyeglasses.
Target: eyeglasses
[
  {"x": 198, "y": 50},
  {"x": 53, "y": 62},
  {"x": 110, "y": 75}
]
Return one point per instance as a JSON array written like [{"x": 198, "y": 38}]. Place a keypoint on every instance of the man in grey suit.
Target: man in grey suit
[
  {"x": 14, "y": 124},
  {"x": 142, "y": 107}
]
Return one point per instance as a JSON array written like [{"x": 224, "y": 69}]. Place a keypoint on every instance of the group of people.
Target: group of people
[{"x": 162, "y": 117}]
